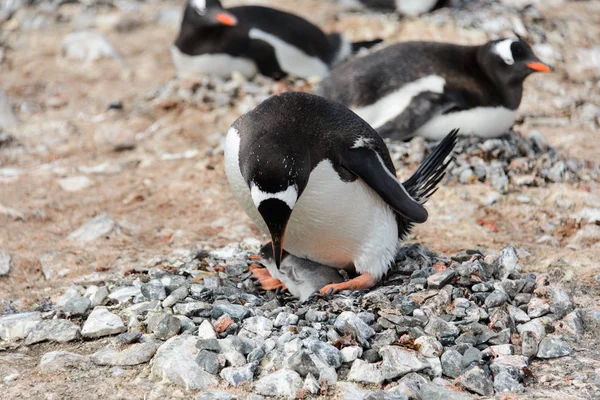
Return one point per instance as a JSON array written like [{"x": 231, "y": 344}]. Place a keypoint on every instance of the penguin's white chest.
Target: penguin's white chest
[
  {"x": 334, "y": 223},
  {"x": 221, "y": 65}
]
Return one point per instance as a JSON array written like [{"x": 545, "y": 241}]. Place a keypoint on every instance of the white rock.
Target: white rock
[
  {"x": 175, "y": 361},
  {"x": 428, "y": 346},
  {"x": 97, "y": 295},
  {"x": 18, "y": 326},
  {"x": 93, "y": 229},
  {"x": 135, "y": 354},
  {"x": 206, "y": 331},
  {"x": 53, "y": 265},
  {"x": 63, "y": 361},
  {"x": 56, "y": 330},
  {"x": 102, "y": 322},
  {"x": 5, "y": 263},
  {"x": 87, "y": 46},
  {"x": 364, "y": 372},
  {"x": 398, "y": 361},
  {"x": 351, "y": 353},
  {"x": 283, "y": 383},
  {"x": 123, "y": 294},
  {"x": 75, "y": 183}
]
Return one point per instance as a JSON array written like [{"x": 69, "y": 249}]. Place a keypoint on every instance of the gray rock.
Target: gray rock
[
  {"x": 87, "y": 46},
  {"x": 518, "y": 315},
  {"x": 316, "y": 316},
  {"x": 440, "y": 279},
  {"x": 18, "y": 326},
  {"x": 5, "y": 262},
  {"x": 97, "y": 295},
  {"x": 351, "y": 353},
  {"x": 349, "y": 391},
  {"x": 191, "y": 309},
  {"x": 572, "y": 324},
  {"x": 237, "y": 312},
  {"x": 285, "y": 319},
  {"x": 311, "y": 385},
  {"x": 154, "y": 290},
  {"x": 536, "y": 326},
  {"x": 482, "y": 287},
  {"x": 439, "y": 328},
  {"x": 235, "y": 358},
  {"x": 63, "y": 361},
  {"x": 256, "y": 355},
  {"x": 175, "y": 297},
  {"x": 209, "y": 361},
  {"x": 560, "y": 303},
  {"x": 97, "y": 227},
  {"x": 512, "y": 365},
  {"x": 128, "y": 337},
  {"x": 216, "y": 395},
  {"x": 537, "y": 307},
  {"x": 259, "y": 325},
  {"x": 168, "y": 327},
  {"x": 364, "y": 372},
  {"x": 371, "y": 355},
  {"x": 209, "y": 344},
  {"x": 76, "y": 306},
  {"x": 348, "y": 323},
  {"x": 503, "y": 337},
  {"x": 398, "y": 361},
  {"x": 139, "y": 353},
  {"x": 329, "y": 354},
  {"x": 124, "y": 294},
  {"x": 477, "y": 381},
  {"x": 496, "y": 299},
  {"x": 431, "y": 391},
  {"x": 239, "y": 375},
  {"x": 102, "y": 322},
  {"x": 175, "y": 361},
  {"x": 522, "y": 298},
  {"x": 429, "y": 347},
  {"x": 507, "y": 261},
  {"x": 54, "y": 330},
  {"x": 529, "y": 344},
  {"x": 452, "y": 363},
  {"x": 553, "y": 347},
  {"x": 302, "y": 363},
  {"x": 505, "y": 383},
  {"x": 285, "y": 383},
  {"x": 471, "y": 355},
  {"x": 513, "y": 287}
]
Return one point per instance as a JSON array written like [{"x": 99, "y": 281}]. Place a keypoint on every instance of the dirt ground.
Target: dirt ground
[{"x": 167, "y": 190}]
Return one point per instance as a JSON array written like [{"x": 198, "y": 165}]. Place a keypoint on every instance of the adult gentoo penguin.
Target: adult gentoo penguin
[
  {"x": 422, "y": 88},
  {"x": 251, "y": 39},
  {"x": 321, "y": 182}
]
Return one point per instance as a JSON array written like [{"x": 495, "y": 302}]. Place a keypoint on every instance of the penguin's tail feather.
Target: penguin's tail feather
[
  {"x": 366, "y": 44},
  {"x": 424, "y": 182}
]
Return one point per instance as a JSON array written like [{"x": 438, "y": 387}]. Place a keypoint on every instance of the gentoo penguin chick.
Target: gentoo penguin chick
[
  {"x": 301, "y": 277},
  {"x": 320, "y": 181},
  {"x": 250, "y": 39},
  {"x": 422, "y": 88}
]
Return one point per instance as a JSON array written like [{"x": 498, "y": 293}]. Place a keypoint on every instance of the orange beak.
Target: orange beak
[
  {"x": 538, "y": 66},
  {"x": 226, "y": 19}
]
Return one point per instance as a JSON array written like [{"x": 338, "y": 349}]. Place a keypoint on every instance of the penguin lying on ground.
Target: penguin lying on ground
[
  {"x": 251, "y": 39},
  {"x": 409, "y": 8},
  {"x": 421, "y": 88},
  {"x": 321, "y": 182},
  {"x": 301, "y": 277}
]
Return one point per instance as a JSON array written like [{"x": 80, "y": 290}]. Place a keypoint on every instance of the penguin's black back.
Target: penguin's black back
[
  {"x": 288, "y": 27},
  {"x": 364, "y": 80}
]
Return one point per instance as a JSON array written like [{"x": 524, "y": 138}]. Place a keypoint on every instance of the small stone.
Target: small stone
[
  {"x": 553, "y": 347},
  {"x": 348, "y": 323},
  {"x": 507, "y": 262},
  {"x": 75, "y": 183},
  {"x": 223, "y": 323},
  {"x": 5, "y": 261},
  {"x": 513, "y": 365},
  {"x": 168, "y": 327},
  {"x": 139, "y": 353},
  {"x": 496, "y": 299},
  {"x": 504, "y": 382},
  {"x": 97, "y": 227},
  {"x": 522, "y": 298},
  {"x": 398, "y": 362},
  {"x": 87, "y": 46},
  {"x": 302, "y": 363},
  {"x": 440, "y": 279},
  {"x": 128, "y": 338},
  {"x": 518, "y": 315},
  {"x": 175, "y": 361},
  {"x": 429, "y": 347},
  {"x": 477, "y": 381},
  {"x": 124, "y": 294},
  {"x": 209, "y": 344},
  {"x": 316, "y": 316},
  {"x": 284, "y": 383},
  {"x": 329, "y": 354},
  {"x": 259, "y": 325},
  {"x": 55, "y": 330},
  {"x": 237, "y": 312},
  {"x": 364, "y": 372},
  {"x": 572, "y": 324},
  {"x": 351, "y": 353},
  {"x": 97, "y": 295},
  {"x": 18, "y": 326},
  {"x": 256, "y": 355},
  {"x": 102, "y": 322},
  {"x": 470, "y": 356},
  {"x": 285, "y": 319},
  {"x": 239, "y": 375},
  {"x": 452, "y": 363},
  {"x": 175, "y": 297},
  {"x": 536, "y": 326},
  {"x": 154, "y": 290},
  {"x": 537, "y": 308},
  {"x": 371, "y": 355},
  {"x": 76, "y": 306},
  {"x": 529, "y": 344},
  {"x": 63, "y": 361},
  {"x": 439, "y": 328},
  {"x": 191, "y": 309},
  {"x": 311, "y": 385},
  {"x": 206, "y": 331},
  {"x": 209, "y": 361},
  {"x": 560, "y": 303},
  {"x": 216, "y": 395},
  {"x": 431, "y": 391}
]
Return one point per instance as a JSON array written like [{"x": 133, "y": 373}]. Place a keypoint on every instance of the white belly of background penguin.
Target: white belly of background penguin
[{"x": 320, "y": 181}]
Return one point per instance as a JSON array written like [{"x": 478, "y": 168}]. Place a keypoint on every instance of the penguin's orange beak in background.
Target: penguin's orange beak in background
[
  {"x": 226, "y": 19},
  {"x": 539, "y": 66}
]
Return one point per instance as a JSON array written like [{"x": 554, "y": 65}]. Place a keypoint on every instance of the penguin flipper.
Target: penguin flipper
[
  {"x": 263, "y": 54},
  {"x": 422, "y": 108},
  {"x": 368, "y": 165}
]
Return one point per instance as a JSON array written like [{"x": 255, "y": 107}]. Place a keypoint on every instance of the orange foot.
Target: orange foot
[
  {"x": 363, "y": 281},
  {"x": 266, "y": 281}
]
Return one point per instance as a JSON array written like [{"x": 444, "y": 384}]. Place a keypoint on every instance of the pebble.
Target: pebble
[
  {"x": 504, "y": 382},
  {"x": 175, "y": 297},
  {"x": 97, "y": 295},
  {"x": 329, "y": 354},
  {"x": 216, "y": 395},
  {"x": 236, "y": 376},
  {"x": 154, "y": 290},
  {"x": 496, "y": 299},
  {"x": 429, "y": 347},
  {"x": 316, "y": 316},
  {"x": 55, "y": 330},
  {"x": 206, "y": 331},
  {"x": 18, "y": 326},
  {"x": 440, "y": 279},
  {"x": 477, "y": 381},
  {"x": 96, "y": 228},
  {"x": 237, "y": 312},
  {"x": 553, "y": 347},
  {"x": 398, "y": 361},
  {"x": 191, "y": 309},
  {"x": 139, "y": 353},
  {"x": 75, "y": 183},
  {"x": 259, "y": 325},
  {"x": 128, "y": 337},
  {"x": 284, "y": 383},
  {"x": 302, "y": 362},
  {"x": 431, "y": 391},
  {"x": 285, "y": 319},
  {"x": 439, "y": 328},
  {"x": 209, "y": 361},
  {"x": 518, "y": 315},
  {"x": 537, "y": 308},
  {"x": 364, "y": 372},
  {"x": 5, "y": 263},
  {"x": 351, "y": 353},
  {"x": 102, "y": 322},
  {"x": 529, "y": 344},
  {"x": 175, "y": 362},
  {"x": 63, "y": 361},
  {"x": 124, "y": 294},
  {"x": 87, "y": 46},
  {"x": 452, "y": 364},
  {"x": 348, "y": 323},
  {"x": 167, "y": 327}
]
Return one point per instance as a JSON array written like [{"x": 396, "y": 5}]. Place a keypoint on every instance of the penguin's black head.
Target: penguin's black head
[
  {"x": 205, "y": 13},
  {"x": 510, "y": 61}
]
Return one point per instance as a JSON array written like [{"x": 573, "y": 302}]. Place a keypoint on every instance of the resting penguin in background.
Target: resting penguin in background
[
  {"x": 320, "y": 181},
  {"x": 422, "y": 88},
  {"x": 250, "y": 39},
  {"x": 408, "y": 8}
]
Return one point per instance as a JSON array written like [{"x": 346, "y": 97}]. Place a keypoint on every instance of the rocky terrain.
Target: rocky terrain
[{"x": 125, "y": 261}]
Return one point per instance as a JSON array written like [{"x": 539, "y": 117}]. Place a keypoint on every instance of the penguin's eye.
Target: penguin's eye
[{"x": 517, "y": 51}]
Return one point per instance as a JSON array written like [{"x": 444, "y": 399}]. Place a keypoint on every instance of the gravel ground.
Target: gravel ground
[{"x": 124, "y": 259}]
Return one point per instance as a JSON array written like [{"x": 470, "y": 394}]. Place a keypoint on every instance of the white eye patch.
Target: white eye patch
[
  {"x": 199, "y": 6},
  {"x": 503, "y": 50}
]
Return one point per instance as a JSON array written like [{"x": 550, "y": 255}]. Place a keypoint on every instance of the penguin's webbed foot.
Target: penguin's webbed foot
[
  {"x": 265, "y": 281},
  {"x": 363, "y": 281}
]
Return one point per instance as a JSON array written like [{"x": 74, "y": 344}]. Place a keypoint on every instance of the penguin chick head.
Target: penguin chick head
[
  {"x": 510, "y": 61},
  {"x": 209, "y": 13}
]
